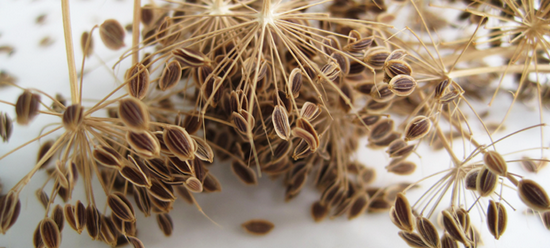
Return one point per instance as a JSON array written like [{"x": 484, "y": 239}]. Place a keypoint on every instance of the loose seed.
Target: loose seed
[{"x": 258, "y": 227}]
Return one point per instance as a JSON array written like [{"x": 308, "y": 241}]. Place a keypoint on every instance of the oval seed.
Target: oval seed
[
  {"x": 496, "y": 218},
  {"x": 204, "y": 152},
  {"x": 470, "y": 180},
  {"x": 73, "y": 117},
  {"x": 401, "y": 214},
  {"x": 112, "y": 34},
  {"x": 165, "y": 224},
  {"x": 358, "y": 206},
  {"x": 93, "y": 221},
  {"x": 533, "y": 195},
  {"x": 417, "y": 128},
  {"x": 258, "y": 227},
  {"x": 245, "y": 174},
  {"x": 295, "y": 81},
  {"x": 58, "y": 217},
  {"x": 135, "y": 176},
  {"x": 134, "y": 114},
  {"x": 486, "y": 182},
  {"x": 138, "y": 81},
  {"x": 144, "y": 143},
  {"x": 6, "y": 127},
  {"x": 89, "y": 49},
  {"x": 108, "y": 157},
  {"x": 495, "y": 163},
  {"x": 448, "y": 242},
  {"x": 453, "y": 228},
  {"x": 427, "y": 232},
  {"x": 376, "y": 57},
  {"x": 395, "y": 67},
  {"x": 179, "y": 142},
  {"x": 121, "y": 207},
  {"x": 170, "y": 76},
  {"x": 50, "y": 233},
  {"x": 413, "y": 240},
  {"x": 190, "y": 57},
  {"x": 381, "y": 92},
  {"x": 319, "y": 211},
  {"x": 402, "y": 168},
  {"x": 381, "y": 130},
  {"x": 280, "y": 122},
  {"x": 402, "y": 85},
  {"x": 26, "y": 107},
  {"x": 331, "y": 71},
  {"x": 310, "y": 111}
]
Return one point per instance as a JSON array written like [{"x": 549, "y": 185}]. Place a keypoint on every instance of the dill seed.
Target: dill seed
[
  {"x": 358, "y": 206},
  {"x": 190, "y": 57},
  {"x": 93, "y": 221},
  {"x": 87, "y": 44},
  {"x": 496, "y": 218},
  {"x": 121, "y": 207},
  {"x": 179, "y": 142},
  {"x": 486, "y": 182},
  {"x": 135, "y": 176},
  {"x": 194, "y": 185},
  {"x": 7, "y": 49},
  {"x": 204, "y": 152},
  {"x": 401, "y": 214},
  {"x": 402, "y": 85},
  {"x": 26, "y": 107},
  {"x": 49, "y": 233},
  {"x": 417, "y": 128},
  {"x": 533, "y": 195},
  {"x": 211, "y": 184},
  {"x": 134, "y": 114},
  {"x": 73, "y": 117},
  {"x": 135, "y": 242},
  {"x": 6, "y": 127},
  {"x": 108, "y": 156},
  {"x": 453, "y": 228},
  {"x": 381, "y": 92},
  {"x": 58, "y": 217},
  {"x": 138, "y": 81},
  {"x": 258, "y": 226},
  {"x": 42, "y": 151},
  {"x": 310, "y": 111},
  {"x": 42, "y": 198},
  {"x": 413, "y": 240},
  {"x": 144, "y": 143},
  {"x": 112, "y": 34},
  {"x": 495, "y": 163},
  {"x": 295, "y": 82},
  {"x": 165, "y": 224},
  {"x": 280, "y": 122},
  {"x": 428, "y": 232},
  {"x": 448, "y": 242},
  {"x": 245, "y": 174},
  {"x": 171, "y": 75},
  {"x": 376, "y": 57},
  {"x": 319, "y": 211}
]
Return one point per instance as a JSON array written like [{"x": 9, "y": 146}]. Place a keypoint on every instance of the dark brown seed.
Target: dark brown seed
[
  {"x": 147, "y": 14},
  {"x": 258, "y": 227},
  {"x": 159, "y": 169},
  {"x": 136, "y": 243},
  {"x": 142, "y": 200},
  {"x": 6, "y": 127},
  {"x": 211, "y": 184},
  {"x": 80, "y": 216},
  {"x": 108, "y": 231},
  {"x": 37, "y": 238},
  {"x": 342, "y": 62},
  {"x": 486, "y": 182},
  {"x": 381, "y": 92},
  {"x": 401, "y": 214},
  {"x": 49, "y": 233},
  {"x": 89, "y": 49},
  {"x": 93, "y": 221},
  {"x": 134, "y": 114},
  {"x": 377, "y": 107},
  {"x": 26, "y": 107},
  {"x": 399, "y": 149},
  {"x": 112, "y": 34},
  {"x": 495, "y": 163},
  {"x": 240, "y": 123},
  {"x": 310, "y": 111},
  {"x": 180, "y": 143},
  {"x": 448, "y": 242},
  {"x": 329, "y": 72},
  {"x": 496, "y": 218},
  {"x": 396, "y": 67},
  {"x": 43, "y": 198},
  {"x": 204, "y": 151},
  {"x": 192, "y": 122},
  {"x": 121, "y": 207},
  {"x": 165, "y": 224},
  {"x": 137, "y": 78},
  {"x": 454, "y": 228},
  {"x": 358, "y": 206},
  {"x": 280, "y": 122},
  {"x": 73, "y": 117},
  {"x": 367, "y": 175},
  {"x": 401, "y": 167},
  {"x": 427, "y": 232},
  {"x": 376, "y": 57},
  {"x": 470, "y": 181},
  {"x": 533, "y": 195},
  {"x": 42, "y": 151},
  {"x": 364, "y": 88},
  {"x": 441, "y": 87},
  {"x": 417, "y": 128},
  {"x": 190, "y": 57},
  {"x": 135, "y": 176},
  {"x": 295, "y": 81},
  {"x": 527, "y": 164},
  {"x": 144, "y": 143},
  {"x": 161, "y": 191},
  {"x": 10, "y": 207},
  {"x": 546, "y": 219},
  {"x": 359, "y": 45},
  {"x": 319, "y": 211},
  {"x": 402, "y": 85},
  {"x": 58, "y": 217},
  {"x": 170, "y": 76},
  {"x": 413, "y": 240},
  {"x": 245, "y": 174},
  {"x": 381, "y": 130},
  {"x": 194, "y": 185},
  {"x": 108, "y": 157}
]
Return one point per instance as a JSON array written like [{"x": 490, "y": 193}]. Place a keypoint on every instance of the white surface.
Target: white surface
[{"x": 46, "y": 69}]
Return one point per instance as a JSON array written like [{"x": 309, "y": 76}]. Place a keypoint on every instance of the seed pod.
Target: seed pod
[
  {"x": 448, "y": 242},
  {"x": 89, "y": 50},
  {"x": 179, "y": 142},
  {"x": 396, "y": 67},
  {"x": 399, "y": 149},
  {"x": 93, "y": 221},
  {"x": 37, "y": 239},
  {"x": 310, "y": 111},
  {"x": 138, "y": 81},
  {"x": 330, "y": 71},
  {"x": 10, "y": 207},
  {"x": 402, "y": 85},
  {"x": 486, "y": 182},
  {"x": 121, "y": 207},
  {"x": 194, "y": 185},
  {"x": 108, "y": 157},
  {"x": 329, "y": 44},
  {"x": 49, "y": 233},
  {"x": 470, "y": 180},
  {"x": 58, "y": 217},
  {"x": 73, "y": 117},
  {"x": 342, "y": 62},
  {"x": 533, "y": 195},
  {"x": 165, "y": 224},
  {"x": 359, "y": 45},
  {"x": 142, "y": 200},
  {"x": 417, "y": 128},
  {"x": 6, "y": 127},
  {"x": 162, "y": 192},
  {"x": 381, "y": 130},
  {"x": 108, "y": 231},
  {"x": 401, "y": 214},
  {"x": 495, "y": 163},
  {"x": 244, "y": 173},
  {"x": 42, "y": 151},
  {"x": 496, "y": 218},
  {"x": 358, "y": 206},
  {"x": 280, "y": 122},
  {"x": 134, "y": 114},
  {"x": 147, "y": 14},
  {"x": 441, "y": 88},
  {"x": 136, "y": 243},
  {"x": 398, "y": 54},
  {"x": 319, "y": 211},
  {"x": 428, "y": 232},
  {"x": 112, "y": 34},
  {"x": 530, "y": 166},
  {"x": 295, "y": 81},
  {"x": 453, "y": 228},
  {"x": 546, "y": 219},
  {"x": 376, "y": 57},
  {"x": 413, "y": 240},
  {"x": 258, "y": 227},
  {"x": 135, "y": 176},
  {"x": 382, "y": 93},
  {"x": 26, "y": 107},
  {"x": 211, "y": 184},
  {"x": 171, "y": 75},
  {"x": 190, "y": 57},
  {"x": 204, "y": 152},
  {"x": 192, "y": 122},
  {"x": 241, "y": 125},
  {"x": 144, "y": 143}
]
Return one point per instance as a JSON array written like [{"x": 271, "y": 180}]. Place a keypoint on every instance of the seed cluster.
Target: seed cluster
[{"x": 283, "y": 89}]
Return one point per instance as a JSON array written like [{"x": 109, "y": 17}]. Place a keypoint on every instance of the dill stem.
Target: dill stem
[
  {"x": 511, "y": 69},
  {"x": 135, "y": 31},
  {"x": 70, "y": 51}
]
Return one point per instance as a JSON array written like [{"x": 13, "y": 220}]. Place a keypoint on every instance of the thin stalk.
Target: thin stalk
[{"x": 70, "y": 51}]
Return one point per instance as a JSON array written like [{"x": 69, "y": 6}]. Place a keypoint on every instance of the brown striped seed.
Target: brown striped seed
[
  {"x": 190, "y": 57},
  {"x": 244, "y": 173},
  {"x": 49, "y": 233},
  {"x": 87, "y": 44},
  {"x": 73, "y": 117},
  {"x": 402, "y": 85},
  {"x": 381, "y": 92},
  {"x": 108, "y": 156},
  {"x": 170, "y": 76},
  {"x": 134, "y": 114},
  {"x": 401, "y": 214},
  {"x": 26, "y": 107},
  {"x": 427, "y": 232},
  {"x": 533, "y": 195},
  {"x": 112, "y": 34},
  {"x": 495, "y": 163},
  {"x": 486, "y": 182},
  {"x": 144, "y": 143},
  {"x": 496, "y": 218},
  {"x": 165, "y": 224},
  {"x": 258, "y": 227},
  {"x": 6, "y": 127},
  {"x": 180, "y": 143},
  {"x": 413, "y": 240},
  {"x": 280, "y": 122},
  {"x": 417, "y": 128},
  {"x": 295, "y": 81},
  {"x": 138, "y": 80},
  {"x": 121, "y": 207}
]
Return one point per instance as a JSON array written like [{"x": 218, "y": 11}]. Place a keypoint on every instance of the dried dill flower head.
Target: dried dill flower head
[{"x": 297, "y": 91}]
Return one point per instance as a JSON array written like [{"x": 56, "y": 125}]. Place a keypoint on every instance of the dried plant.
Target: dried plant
[{"x": 290, "y": 89}]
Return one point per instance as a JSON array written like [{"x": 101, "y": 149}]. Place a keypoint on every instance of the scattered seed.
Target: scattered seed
[{"x": 258, "y": 227}]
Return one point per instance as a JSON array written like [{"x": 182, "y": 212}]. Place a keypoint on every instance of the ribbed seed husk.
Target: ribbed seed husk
[
  {"x": 112, "y": 34},
  {"x": 258, "y": 226},
  {"x": 73, "y": 117},
  {"x": 533, "y": 195},
  {"x": 417, "y": 128},
  {"x": 58, "y": 217},
  {"x": 495, "y": 163},
  {"x": 134, "y": 114},
  {"x": 454, "y": 228},
  {"x": 280, "y": 122},
  {"x": 83, "y": 40},
  {"x": 496, "y": 218},
  {"x": 144, "y": 143},
  {"x": 401, "y": 214},
  {"x": 486, "y": 182},
  {"x": 121, "y": 206},
  {"x": 137, "y": 78},
  {"x": 171, "y": 75},
  {"x": 427, "y": 232},
  {"x": 26, "y": 107},
  {"x": 108, "y": 157},
  {"x": 413, "y": 239},
  {"x": 245, "y": 174},
  {"x": 180, "y": 143},
  {"x": 93, "y": 221},
  {"x": 6, "y": 127},
  {"x": 49, "y": 233},
  {"x": 165, "y": 224}
]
